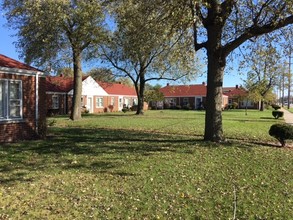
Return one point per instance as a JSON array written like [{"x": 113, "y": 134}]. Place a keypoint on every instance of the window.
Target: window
[
  {"x": 172, "y": 101},
  {"x": 81, "y": 101},
  {"x": 134, "y": 101},
  {"x": 55, "y": 102},
  {"x": 99, "y": 102},
  {"x": 10, "y": 99},
  {"x": 2, "y": 99},
  {"x": 185, "y": 101},
  {"x": 120, "y": 102}
]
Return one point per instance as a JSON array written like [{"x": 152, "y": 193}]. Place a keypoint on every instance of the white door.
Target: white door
[
  {"x": 120, "y": 103},
  {"x": 90, "y": 104}
]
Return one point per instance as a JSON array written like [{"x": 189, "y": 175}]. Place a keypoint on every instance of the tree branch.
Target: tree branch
[
  {"x": 166, "y": 78},
  {"x": 255, "y": 31}
]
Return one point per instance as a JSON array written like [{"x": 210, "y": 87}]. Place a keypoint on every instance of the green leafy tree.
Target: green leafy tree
[
  {"x": 220, "y": 27},
  {"x": 145, "y": 47},
  {"x": 265, "y": 67},
  {"x": 66, "y": 72},
  {"x": 154, "y": 95},
  {"x": 51, "y": 30},
  {"x": 102, "y": 74}
]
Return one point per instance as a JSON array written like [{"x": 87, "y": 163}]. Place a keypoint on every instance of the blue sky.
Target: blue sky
[{"x": 7, "y": 48}]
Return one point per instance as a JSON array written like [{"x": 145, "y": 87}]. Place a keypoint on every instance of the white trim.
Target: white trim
[
  {"x": 98, "y": 98},
  {"x": 56, "y": 93},
  {"x": 122, "y": 95},
  {"x": 17, "y": 71},
  {"x": 37, "y": 102},
  {"x": 7, "y": 100}
]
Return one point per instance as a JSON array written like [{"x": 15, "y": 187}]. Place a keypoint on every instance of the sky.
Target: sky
[{"x": 8, "y": 49}]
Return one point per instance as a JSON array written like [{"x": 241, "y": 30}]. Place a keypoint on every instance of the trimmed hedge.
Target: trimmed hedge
[
  {"x": 276, "y": 107},
  {"x": 282, "y": 132},
  {"x": 277, "y": 114}
]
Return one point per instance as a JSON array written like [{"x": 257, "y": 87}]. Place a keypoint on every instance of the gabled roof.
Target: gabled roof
[
  {"x": 184, "y": 90},
  {"x": 234, "y": 91},
  {"x": 59, "y": 84},
  {"x": 117, "y": 89},
  {"x": 7, "y": 62}
]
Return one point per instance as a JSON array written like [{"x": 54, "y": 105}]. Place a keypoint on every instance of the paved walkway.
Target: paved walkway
[{"x": 288, "y": 116}]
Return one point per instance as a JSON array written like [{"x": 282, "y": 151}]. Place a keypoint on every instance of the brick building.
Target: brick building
[{"x": 22, "y": 101}]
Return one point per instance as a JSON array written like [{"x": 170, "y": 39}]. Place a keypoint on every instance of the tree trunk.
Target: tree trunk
[
  {"x": 77, "y": 87},
  {"x": 216, "y": 66},
  {"x": 262, "y": 105},
  {"x": 213, "y": 117},
  {"x": 140, "y": 96}
]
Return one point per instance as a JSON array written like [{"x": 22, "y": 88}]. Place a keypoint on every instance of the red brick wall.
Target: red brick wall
[{"x": 26, "y": 128}]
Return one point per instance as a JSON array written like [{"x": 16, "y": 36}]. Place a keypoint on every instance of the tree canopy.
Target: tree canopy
[
  {"x": 52, "y": 31},
  {"x": 220, "y": 27},
  {"x": 145, "y": 47}
]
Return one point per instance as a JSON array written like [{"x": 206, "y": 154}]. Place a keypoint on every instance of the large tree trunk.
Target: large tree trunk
[
  {"x": 213, "y": 117},
  {"x": 140, "y": 95},
  {"x": 77, "y": 87},
  {"x": 216, "y": 65}
]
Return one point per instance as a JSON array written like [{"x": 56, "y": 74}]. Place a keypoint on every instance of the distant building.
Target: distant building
[
  {"x": 239, "y": 95},
  {"x": 192, "y": 96},
  {"x": 97, "y": 96}
]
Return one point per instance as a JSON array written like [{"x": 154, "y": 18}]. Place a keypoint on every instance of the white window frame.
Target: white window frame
[
  {"x": 6, "y": 104},
  {"x": 99, "y": 102},
  {"x": 55, "y": 101}
]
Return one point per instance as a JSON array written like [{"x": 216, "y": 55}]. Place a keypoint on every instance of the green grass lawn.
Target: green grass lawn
[{"x": 156, "y": 166}]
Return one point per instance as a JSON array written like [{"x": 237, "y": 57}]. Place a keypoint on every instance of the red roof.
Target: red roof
[
  {"x": 234, "y": 91},
  {"x": 11, "y": 63},
  {"x": 184, "y": 90},
  {"x": 117, "y": 89},
  {"x": 59, "y": 83}
]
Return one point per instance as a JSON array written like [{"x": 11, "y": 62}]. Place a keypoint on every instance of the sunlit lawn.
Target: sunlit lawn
[{"x": 156, "y": 166}]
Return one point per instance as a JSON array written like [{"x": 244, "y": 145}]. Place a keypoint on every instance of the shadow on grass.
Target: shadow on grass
[
  {"x": 262, "y": 119},
  {"x": 88, "y": 150},
  {"x": 93, "y": 150}
]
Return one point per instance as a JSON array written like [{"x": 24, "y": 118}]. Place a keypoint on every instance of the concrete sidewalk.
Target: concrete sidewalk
[{"x": 288, "y": 116}]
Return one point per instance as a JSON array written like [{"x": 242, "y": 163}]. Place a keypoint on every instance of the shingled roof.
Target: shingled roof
[
  {"x": 8, "y": 62},
  {"x": 184, "y": 90}
]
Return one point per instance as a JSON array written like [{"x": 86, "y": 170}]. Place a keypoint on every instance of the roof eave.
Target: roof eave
[{"x": 21, "y": 71}]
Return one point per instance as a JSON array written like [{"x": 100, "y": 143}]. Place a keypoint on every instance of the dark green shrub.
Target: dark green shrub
[
  {"x": 125, "y": 110},
  {"x": 178, "y": 107},
  {"x": 134, "y": 108},
  {"x": 281, "y": 132},
  {"x": 277, "y": 114},
  {"x": 276, "y": 107}
]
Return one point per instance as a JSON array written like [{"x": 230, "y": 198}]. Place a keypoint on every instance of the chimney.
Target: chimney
[
  {"x": 236, "y": 86},
  {"x": 168, "y": 84},
  {"x": 61, "y": 75},
  {"x": 203, "y": 83}
]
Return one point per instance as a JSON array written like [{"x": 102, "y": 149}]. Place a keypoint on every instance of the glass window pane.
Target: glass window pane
[
  {"x": 15, "y": 109},
  {"x": 1, "y": 99},
  {"x": 14, "y": 90}
]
